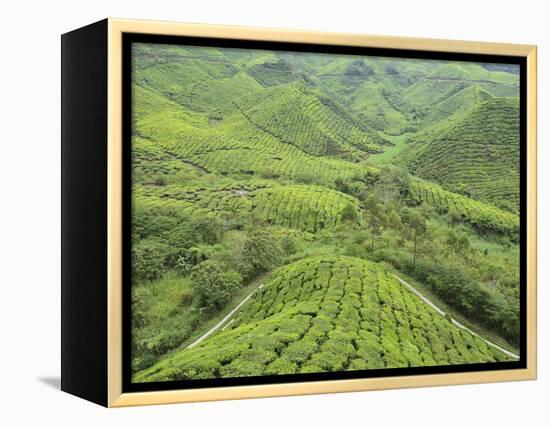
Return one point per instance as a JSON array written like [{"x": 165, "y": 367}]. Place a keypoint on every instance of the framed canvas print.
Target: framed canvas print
[{"x": 251, "y": 212}]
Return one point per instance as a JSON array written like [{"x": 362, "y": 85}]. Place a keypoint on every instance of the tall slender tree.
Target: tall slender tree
[
  {"x": 373, "y": 219},
  {"x": 417, "y": 228}
]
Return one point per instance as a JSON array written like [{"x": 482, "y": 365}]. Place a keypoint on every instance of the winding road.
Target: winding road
[
  {"x": 427, "y": 301},
  {"x": 455, "y": 322},
  {"x": 223, "y": 320}
]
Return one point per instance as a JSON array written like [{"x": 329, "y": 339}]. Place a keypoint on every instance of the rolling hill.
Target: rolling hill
[
  {"x": 249, "y": 141},
  {"x": 257, "y": 172},
  {"x": 484, "y": 217},
  {"x": 326, "y": 314},
  {"x": 477, "y": 154},
  {"x": 450, "y": 78},
  {"x": 305, "y": 207},
  {"x": 313, "y": 123},
  {"x": 451, "y": 107}
]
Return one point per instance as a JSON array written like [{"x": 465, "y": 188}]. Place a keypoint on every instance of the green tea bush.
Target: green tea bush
[{"x": 364, "y": 319}]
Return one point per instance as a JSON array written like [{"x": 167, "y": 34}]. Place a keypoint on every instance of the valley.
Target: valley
[{"x": 278, "y": 198}]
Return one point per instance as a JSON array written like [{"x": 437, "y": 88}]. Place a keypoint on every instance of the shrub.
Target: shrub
[
  {"x": 161, "y": 181},
  {"x": 261, "y": 252},
  {"x": 213, "y": 286},
  {"x": 148, "y": 259},
  {"x": 209, "y": 229},
  {"x": 281, "y": 366},
  {"x": 349, "y": 214}
]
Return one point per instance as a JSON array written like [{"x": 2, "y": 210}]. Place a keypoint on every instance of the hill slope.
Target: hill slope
[
  {"x": 326, "y": 314},
  {"x": 450, "y": 106},
  {"x": 478, "y": 154},
  {"x": 305, "y": 207},
  {"x": 313, "y": 123}
]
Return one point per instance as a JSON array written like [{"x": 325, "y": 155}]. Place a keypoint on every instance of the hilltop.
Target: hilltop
[
  {"x": 327, "y": 314},
  {"x": 314, "y": 123},
  {"x": 305, "y": 180},
  {"x": 477, "y": 154}
]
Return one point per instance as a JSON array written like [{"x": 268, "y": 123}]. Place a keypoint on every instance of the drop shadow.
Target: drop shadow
[{"x": 53, "y": 382}]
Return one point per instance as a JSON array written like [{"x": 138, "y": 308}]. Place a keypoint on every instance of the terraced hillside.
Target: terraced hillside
[
  {"x": 446, "y": 80},
  {"x": 327, "y": 314},
  {"x": 239, "y": 144},
  {"x": 478, "y": 154},
  {"x": 304, "y": 207},
  {"x": 485, "y": 217},
  {"x": 317, "y": 125},
  {"x": 449, "y": 108},
  {"x": 275, "y": 194}
]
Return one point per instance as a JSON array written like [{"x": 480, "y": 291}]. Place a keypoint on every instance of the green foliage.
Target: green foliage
[
  {"x": 315, "y": 124},
  {"x": 486, "y": 218},
  {"x": 479, "y": 153},
  {"x": 148, "y": 259},
  {"x": 163, "y": 316},
  {"x": 213, "y": 285},
  {"x": 330, "y": 313},
  {"x": 349, "y": 214},
  {"x": 243, "y": 161},
  {"x": 261, "y": 251},
  {"x": 470, "y": 298}
]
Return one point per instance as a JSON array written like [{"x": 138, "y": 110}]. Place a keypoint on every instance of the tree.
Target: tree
[
  {"x": 458, "y": 243},
  {"x": 349, "y": 213},
  {"x": 451, "y": 241},
  {"x": 454, "y": 217},
  {"x": 192, "y": 257},
  {"x": 393, "y": 220},
  {"x": 180, "y": 238},
  {"x": 416, "y": 227},
  {"x": 463, "y": 243},
  {"x": 260, "y": 252},
  {"x": 213, "y": 286},
  {"x": 394, "y": 183},
  {"x": 352, "y": 186},
  {"x": 209, "y": 229},
  {"x": 373, "y": 219},
  {"x": 149, "y": 259}
]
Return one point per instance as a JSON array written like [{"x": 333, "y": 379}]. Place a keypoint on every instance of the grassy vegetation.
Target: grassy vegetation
[
  {"x": 167, "y": 315},
  {"x": 457, "y": 315},
  {"x": 294, "y": 171},
  {"x": 390, "y": 152}
]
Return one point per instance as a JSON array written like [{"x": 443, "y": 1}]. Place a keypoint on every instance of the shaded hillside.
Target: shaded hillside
[{"x": 477, "y": 155}]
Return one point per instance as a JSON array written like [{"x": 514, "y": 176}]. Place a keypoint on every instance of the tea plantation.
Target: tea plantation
[
  {"x": 304, "y": 207},
  {"x": 327, "y": 314},
  {"x": 477, "y": 154},
  {"x": 293, "y": 186}
]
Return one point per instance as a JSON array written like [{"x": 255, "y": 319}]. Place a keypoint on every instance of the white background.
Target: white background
[{"x": 30, "y": 211}]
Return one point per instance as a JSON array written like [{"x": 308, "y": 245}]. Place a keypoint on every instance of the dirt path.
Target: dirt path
[
  {"x": 455, "y": 322},
  {"x": 224, "y": 319}
]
